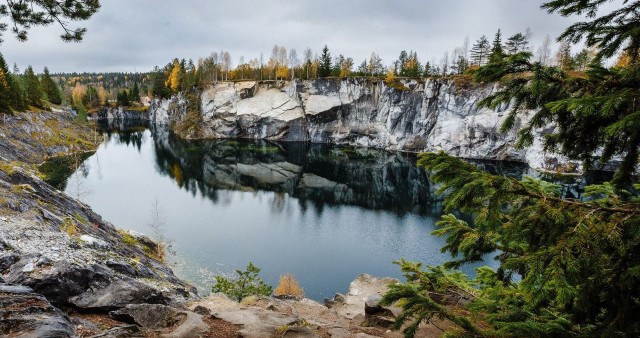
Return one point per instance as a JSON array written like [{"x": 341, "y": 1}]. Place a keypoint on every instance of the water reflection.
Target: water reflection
[
  {"x": 316, "y": 175},
  {"x": 321, "y": 212}
]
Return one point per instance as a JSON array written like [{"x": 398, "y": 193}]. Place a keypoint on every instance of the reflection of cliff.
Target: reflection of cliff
[{"x": 317, "y": 174}]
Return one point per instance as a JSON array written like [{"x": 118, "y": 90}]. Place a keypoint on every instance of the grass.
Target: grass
[
  {"x": 7, "y": 168},
  {"x": 69, "y": 227},
  {"x": 128, "y": 240}
]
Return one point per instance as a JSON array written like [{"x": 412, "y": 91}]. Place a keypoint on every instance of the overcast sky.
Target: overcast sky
[{"x": 136, "y": 35}]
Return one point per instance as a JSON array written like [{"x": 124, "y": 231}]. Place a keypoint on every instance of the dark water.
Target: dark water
[{"x": 323, "y": 213}]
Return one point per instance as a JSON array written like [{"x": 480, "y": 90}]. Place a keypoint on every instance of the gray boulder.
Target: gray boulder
[{"x": 25, "y": 313}]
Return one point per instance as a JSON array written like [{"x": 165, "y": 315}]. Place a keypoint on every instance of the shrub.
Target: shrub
[
  {"x": 288, "y": 287},
  {"x": 247, "y": 284}
]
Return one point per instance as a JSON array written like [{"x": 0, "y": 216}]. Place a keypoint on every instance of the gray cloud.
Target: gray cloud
[{"x": 128, "y": 35}]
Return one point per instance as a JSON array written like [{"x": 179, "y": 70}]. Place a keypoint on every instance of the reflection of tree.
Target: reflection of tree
[
  {"x": 316, "y": 174},
  {"x": 80, "y": 169},
  {"x": 123, "y": 131}
]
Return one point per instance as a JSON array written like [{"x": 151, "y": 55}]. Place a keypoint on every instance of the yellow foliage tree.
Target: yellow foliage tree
[
  {"x": 288, "y": 287},
  {"x": 283, "y": 71},
  {"x": 78, "y": 93},
  {"x": 173, "y": 82},
  {"x": 103, "y": 95},
  {"x": 391, "y": 75}
]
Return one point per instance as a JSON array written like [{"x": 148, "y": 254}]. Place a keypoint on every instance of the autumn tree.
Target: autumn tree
[
  {"x": 226, "y": 64},
  {"x": 375, "y": 65},
  {"x": 563, "y": 56},
  {"x": 308, "y": 56},
  {"x": 103, "y": 96},
  {"x": 293, "y": 61},
  {"x": 543, "y": 54},
  {"x": 288, "y": 286},
  {"x": 175, "y": 77}
]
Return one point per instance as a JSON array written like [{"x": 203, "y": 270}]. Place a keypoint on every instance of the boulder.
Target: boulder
[
  {"x": 150, "y": 316},
  {"x": 299, "y": 332},
  {"x": 25, "y": 313}
]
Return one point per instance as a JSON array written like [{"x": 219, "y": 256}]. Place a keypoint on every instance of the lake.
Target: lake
[{"x": 322, "y": 213}]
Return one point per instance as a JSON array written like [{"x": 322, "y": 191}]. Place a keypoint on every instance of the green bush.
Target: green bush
[{"x": 247, "y": 284}]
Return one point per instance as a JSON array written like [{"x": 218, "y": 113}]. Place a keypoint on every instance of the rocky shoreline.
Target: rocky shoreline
[{"x": 65, "y": 272}]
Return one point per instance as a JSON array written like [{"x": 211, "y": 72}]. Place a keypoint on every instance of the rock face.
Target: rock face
[
  {"x": 122, "y": 113},
  {"x": 58, "y": 256},
  {"x": 429, "y": 115},
  {"x": 26, "y": 313}
]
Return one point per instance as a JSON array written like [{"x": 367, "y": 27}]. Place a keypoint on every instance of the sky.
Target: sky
[{"x": 136, "y": 35}]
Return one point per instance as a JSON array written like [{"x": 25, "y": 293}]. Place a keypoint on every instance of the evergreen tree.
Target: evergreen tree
[
  {"x": 324, "y": 69},
  {"x": 400, "y": 64},
  {"x": 5, "y": 107},
  {"x": 122, "y": 99},
  {"x": 33, "y": 91},
  {"x": 517, "y": 43},
  {"x": 337, "y": 66},
  {"x": 91, "y": 97},
  {"x": 50, "y": 88},
  {"x": 158, "y": 88},
  {"x": 15, "y": 96},
  {"x": 567, "y": 268},
  {"x": 480, "y": 51},
  {"x": 497, "y": 51},
  {"x": 411, "y": 67},
  {"x": 134, "y": 94}
]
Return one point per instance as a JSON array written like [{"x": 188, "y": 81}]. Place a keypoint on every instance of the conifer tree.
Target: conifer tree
[
  {"x": 122, "y": 99},
  {"x": 480, "y": 51},
  {"x": 577, "y": 262},
  {"x": 134, "y": 94},
  {"x": 517, "y": 43},
  {"x": 497, "y": 51},
  {"x": 25, "y": 14},
  {"x": 324, "y": 69},
  {"x": 33, "y": 91},
  {"x": 50, "y": 88},
  {"x": 5, "y": 107},
  {"x": 159, "y": 89},
  {"x": 15, "y": 96}
]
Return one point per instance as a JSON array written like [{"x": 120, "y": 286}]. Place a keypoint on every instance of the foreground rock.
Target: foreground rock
[
  {"x": 429, "y": 115},
  {"x": 290, "y": 317},
  {"x": 59, "y": 260},
  {"x": 23, "y": 311}
]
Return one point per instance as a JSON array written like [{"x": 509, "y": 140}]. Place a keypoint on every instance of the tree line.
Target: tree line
[
  {"x": 27, "y": 90},
  {"x": 283, "y": 63}
]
